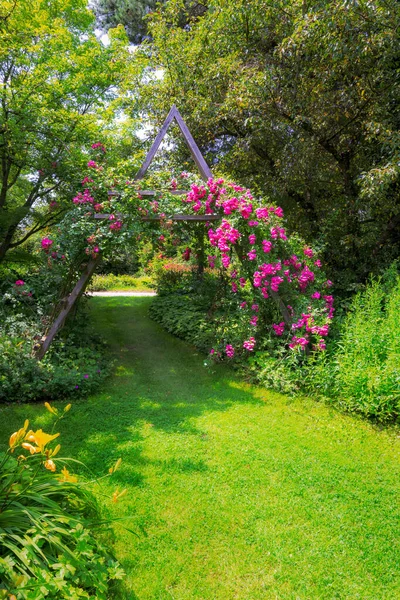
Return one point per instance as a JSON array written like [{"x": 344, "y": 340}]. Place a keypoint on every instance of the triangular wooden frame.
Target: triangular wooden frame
[{"x": 197, "y": 156}]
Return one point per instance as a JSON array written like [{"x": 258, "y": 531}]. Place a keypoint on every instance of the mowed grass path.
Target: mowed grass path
[{"x": 243, "y": 494}]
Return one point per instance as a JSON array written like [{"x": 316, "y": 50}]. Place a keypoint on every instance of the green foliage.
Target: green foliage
[
  {"x": 183, "y": 302},
  {"x": 129, "y": 13},
  {"x": 133, "y": 15},
  {"x": 185, "y": 316},
  {"x": 67, "y": 371},
  {"x": 125, "y": 262},
  {"x": 360, "y": 372},
  {"x": 120, "y": 282},
  {"x": 296, "y": 100},
  {"x": 77, "y": 362},
  {"x": 367, "y": 361},
  {"x": 55, "y": 78},
  {"x": 48, "y": 521}
]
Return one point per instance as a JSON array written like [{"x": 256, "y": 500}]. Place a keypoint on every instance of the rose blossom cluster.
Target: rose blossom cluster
[
  {"x": 254, "y": 232},
  {"x": 46, "y": 244},
  {"x": 98, "y": 146},
  {"x": 223, "y": 238},
  {"x": 84, "y": 198},
  {"x": 249, "y": 344}
]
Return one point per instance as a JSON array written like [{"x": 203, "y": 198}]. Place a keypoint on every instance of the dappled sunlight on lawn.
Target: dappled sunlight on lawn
[{"x": 233, "y": 491}]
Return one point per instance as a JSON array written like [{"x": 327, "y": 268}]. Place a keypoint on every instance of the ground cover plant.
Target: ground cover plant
[{"x": 240, "y": 492}]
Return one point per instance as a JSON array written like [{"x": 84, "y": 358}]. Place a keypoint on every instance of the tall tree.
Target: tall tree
[
  {"x": 55, "y": 76},
  {"x": 300, "y": 100},
  {"x": 132, "y": 14}
]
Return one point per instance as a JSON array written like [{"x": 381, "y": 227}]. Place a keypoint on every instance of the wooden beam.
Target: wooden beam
[
  {"x": 176, "y": 217},
  {"x": 160, "y": 136},
  {"x": 196, "y": 218},
  {"x": 69, "y": 302},
  {"x": 155, "y": 192},
  {"x": 197, "y": 156}
]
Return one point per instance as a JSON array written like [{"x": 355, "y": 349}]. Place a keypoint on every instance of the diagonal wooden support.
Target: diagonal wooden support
[
  {"x": 66, "y": 309},
  {"x": 197, "y": 156}
]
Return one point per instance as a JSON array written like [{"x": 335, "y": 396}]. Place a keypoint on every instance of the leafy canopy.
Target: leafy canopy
[
  {"x": 297, "y": 100},
  {"x": 55, "y": 77}
]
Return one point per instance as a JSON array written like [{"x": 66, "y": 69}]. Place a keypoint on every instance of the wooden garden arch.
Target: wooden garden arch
[{"x": 69, "y": 301}]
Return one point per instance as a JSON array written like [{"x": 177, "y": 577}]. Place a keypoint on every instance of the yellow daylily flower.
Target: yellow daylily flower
[
  {"x": 66, "y": 476},
  {"x": 40, "y": 438},
  {"x": 27, "y": 446}
]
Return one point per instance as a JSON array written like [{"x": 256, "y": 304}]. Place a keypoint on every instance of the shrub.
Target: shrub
[
  {"x": 120, "y": 282},
  {"x": 169, "y": 275},
  {"x": 48, "y": 542},
  {"x": 367, "y": 361},
  {"x": 77, "y": 362}
]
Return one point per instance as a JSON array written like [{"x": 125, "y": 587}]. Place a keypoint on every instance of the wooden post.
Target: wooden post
[
  {"x": 201, "y": 254},
  {"x": 69, "y": 302}
]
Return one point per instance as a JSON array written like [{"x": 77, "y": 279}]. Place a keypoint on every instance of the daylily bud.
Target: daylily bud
[
  {"x": 50, "y": 465},
  {"x": 29, "y": 447},
  {"x": 116, "y": 466},
  {"x": 56, "y": 450},
  {"x": 51, "y": 409},
  {"x": 13, "y": 439},
  {"x": 67, "y": 408},
  {"x": 117, "y": 495}
]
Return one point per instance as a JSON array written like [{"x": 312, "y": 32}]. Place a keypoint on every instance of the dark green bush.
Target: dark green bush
[{"x": 77, "y": 362}]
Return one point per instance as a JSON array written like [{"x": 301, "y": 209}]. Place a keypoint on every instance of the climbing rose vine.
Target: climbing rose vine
[
  {"x": 275, "y": 279},
  {"x": 265, "y": 265}
]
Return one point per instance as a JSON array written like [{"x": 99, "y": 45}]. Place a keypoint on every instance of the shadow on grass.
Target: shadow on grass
[{"x": 159, "y": 382}]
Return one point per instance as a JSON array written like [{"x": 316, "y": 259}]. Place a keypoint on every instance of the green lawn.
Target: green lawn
[{"x": 243, "y": 494}]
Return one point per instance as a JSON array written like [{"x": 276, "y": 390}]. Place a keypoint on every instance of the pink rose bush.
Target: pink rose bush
[{"x": 274, "y": 271}]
